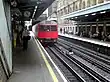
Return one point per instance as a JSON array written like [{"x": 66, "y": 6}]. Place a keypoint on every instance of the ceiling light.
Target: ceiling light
[
  {"x": 34, "y": 10},
  {"x": 86, "y": 15},
  {"x": 36, "y": 7},
  {"x": 76, "y": 17},
  {"x": 103, "y": 12},
  {"x": 94, "y": 14}
]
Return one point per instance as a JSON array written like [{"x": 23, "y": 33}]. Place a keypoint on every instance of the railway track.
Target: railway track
[
  {"x": 63, "y": 67},
  {"x": 96, "y": 55},
  {"x": 93, "y": 61},
  {"x": 77, "y": 70},
  {"x": 99, "y": 61}
]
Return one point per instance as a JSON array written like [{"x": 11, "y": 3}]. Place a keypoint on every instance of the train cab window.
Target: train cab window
[
  {"x": 53, "y": 28},
  {"x": 47, "y": 28},
  {"x": 41, "y": 28},
  {"x": 44, "y": 28}
]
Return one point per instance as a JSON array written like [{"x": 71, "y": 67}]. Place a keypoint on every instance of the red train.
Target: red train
[{"x": 46, "y": 31}]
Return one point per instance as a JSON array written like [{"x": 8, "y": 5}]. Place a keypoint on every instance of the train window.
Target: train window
[
  {"x": 44, "y": 28},
  {"x": 41, "y": 28},
  {"x": 53, "y": 28},
  {"x": 48, "y": 28}
]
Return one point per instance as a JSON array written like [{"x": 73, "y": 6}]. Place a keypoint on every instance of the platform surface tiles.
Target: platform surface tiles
[{"x": 30, "y": 66}]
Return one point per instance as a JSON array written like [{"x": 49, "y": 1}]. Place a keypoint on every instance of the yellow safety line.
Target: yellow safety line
[
  {"x": 14, "y": 43},
  {"x": 48, "y": 65}
]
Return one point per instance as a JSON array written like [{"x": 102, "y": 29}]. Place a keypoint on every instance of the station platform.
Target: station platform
[
  {"x": 93, "y": 41},
  {"x": 97, "y": 46},
  {"x": 32, "y": 65}
]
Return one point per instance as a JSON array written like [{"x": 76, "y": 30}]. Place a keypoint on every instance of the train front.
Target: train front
[{"x": 47, "y": 33}]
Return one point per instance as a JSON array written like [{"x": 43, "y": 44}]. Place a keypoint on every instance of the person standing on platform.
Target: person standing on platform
[
  {"x": 25, "y": 39},
  {"x": 20, "y": 33}
]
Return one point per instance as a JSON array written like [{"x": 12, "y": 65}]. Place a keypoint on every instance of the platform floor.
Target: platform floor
[{"x": 29, "y": 66}]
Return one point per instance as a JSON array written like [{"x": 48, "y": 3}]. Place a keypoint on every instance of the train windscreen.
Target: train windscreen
[
  {"x": 48, "y": 28},
  {"x": 44, "y": 28},
  {"x": 53, "y": 28}
]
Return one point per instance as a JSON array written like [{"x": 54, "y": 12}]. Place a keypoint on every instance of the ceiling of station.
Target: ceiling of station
[
  {"x": 24, "y": 9},
  {"x": 42, "y": 7}
]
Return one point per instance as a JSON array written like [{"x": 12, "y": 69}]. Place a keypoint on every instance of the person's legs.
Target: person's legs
[{"x": 26, "y": 44}]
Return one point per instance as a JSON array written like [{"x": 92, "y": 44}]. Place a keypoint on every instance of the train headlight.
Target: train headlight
[
  {"x": 54, "y": 40},
  {"x": 41, "y": 40}
]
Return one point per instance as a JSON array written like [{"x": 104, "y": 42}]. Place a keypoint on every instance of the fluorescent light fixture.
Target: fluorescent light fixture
[
  {"x": 86, "y": 15},
  {"x": 103, "y": 12},
  {"x": 33, "y": 15},
  {"x": 34, "y": 11},
  {"x": 94, "y": 14},
  {"x": 76, "y": 17},
  {"x": 36, "y": 7}
]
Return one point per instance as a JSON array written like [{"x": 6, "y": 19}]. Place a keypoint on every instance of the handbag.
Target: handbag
[{"x": 28, "y": 37}]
